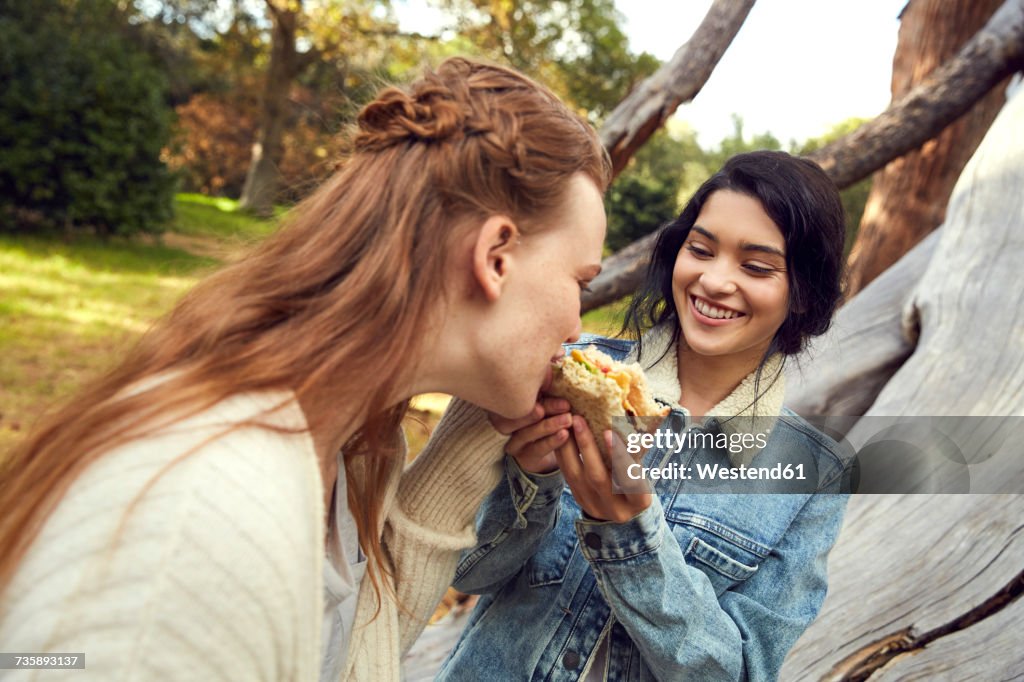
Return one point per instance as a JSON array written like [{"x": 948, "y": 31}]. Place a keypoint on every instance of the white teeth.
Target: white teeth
[{"x": 712, "y": 311}]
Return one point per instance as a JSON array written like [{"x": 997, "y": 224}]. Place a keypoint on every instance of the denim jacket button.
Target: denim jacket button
[
  {"x": 593, "y": 540},
  {"x": 571, "y": 660}
]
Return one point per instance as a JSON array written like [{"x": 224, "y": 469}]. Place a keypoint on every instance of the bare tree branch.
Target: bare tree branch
[
  {"x": 995, "y": 52},
  {"x": 990, "y": 56},
  {"x": 679, "y": 80}
]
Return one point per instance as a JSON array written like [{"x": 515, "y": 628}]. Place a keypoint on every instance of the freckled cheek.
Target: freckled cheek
[{"x": 556, "y": 312}]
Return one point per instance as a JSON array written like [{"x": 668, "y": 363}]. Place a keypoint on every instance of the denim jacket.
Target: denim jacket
[{"x": 699, "y": 586}]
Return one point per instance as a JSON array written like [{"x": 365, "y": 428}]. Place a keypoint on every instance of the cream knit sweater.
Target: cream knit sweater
[{"x": 217, "y": 570}]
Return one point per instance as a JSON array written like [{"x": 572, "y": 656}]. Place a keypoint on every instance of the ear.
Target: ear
[{"x": 493, "y": 254}]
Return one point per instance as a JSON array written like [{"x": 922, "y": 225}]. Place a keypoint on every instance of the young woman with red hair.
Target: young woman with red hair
[{"x": 206, "y": 510}]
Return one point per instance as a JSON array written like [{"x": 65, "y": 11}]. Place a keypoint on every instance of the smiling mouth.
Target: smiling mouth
[{"x": 714, "y": 312}]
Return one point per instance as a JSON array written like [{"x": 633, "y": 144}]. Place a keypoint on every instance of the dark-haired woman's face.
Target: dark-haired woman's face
[{"x": 729, "y": 283}]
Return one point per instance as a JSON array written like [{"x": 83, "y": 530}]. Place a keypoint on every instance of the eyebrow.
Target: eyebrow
[{"x": 745, "y": 246}]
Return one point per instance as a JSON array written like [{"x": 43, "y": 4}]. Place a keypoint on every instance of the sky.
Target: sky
[{"x": 795, "y": 69}]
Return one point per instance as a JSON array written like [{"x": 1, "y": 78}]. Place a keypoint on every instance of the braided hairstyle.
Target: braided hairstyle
[{"x": 488, "y": 138}]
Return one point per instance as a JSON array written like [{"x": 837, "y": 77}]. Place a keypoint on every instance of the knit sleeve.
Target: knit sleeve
[
  {"x": 214, "y": 574},
  {"x": 430, "y": 523}
]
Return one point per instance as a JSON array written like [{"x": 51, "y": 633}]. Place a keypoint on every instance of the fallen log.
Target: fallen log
[
  {"x": 905, "y": 573},
  {"x": 842, "y": 372},
  {"x": 924, "y": 585},
  {"x": 994, "y": 53}
]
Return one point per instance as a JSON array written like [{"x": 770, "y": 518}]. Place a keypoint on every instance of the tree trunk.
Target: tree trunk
[
  {"x": 908, "y": 197},
  {"x": 929, "y": 586},
  {"x": 263, "y": 179},
  {"x": 914, "y": 593},
  {"x": 679, "y": 80},
  {"x": 990, "y": 56}
]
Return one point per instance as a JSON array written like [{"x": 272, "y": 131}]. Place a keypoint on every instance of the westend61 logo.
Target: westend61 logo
[{"x": 716, "y": 472}]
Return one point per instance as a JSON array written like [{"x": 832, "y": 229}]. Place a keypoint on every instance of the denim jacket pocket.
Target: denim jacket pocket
[
  {"x": 547, "y": 566},
  {"x": 724, "y": 571}
]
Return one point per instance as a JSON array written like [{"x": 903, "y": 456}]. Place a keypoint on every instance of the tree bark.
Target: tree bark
[
  {"x": 990, "y": 56},
  {"x": 263, "y": 179},
  {"x": 952, "y": 607},
  {"x": 908, "y": 197},
  {"x": 679, "y": 80}
]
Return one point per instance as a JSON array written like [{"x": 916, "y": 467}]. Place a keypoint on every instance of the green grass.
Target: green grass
[
  {"x": 200, "y": 215},
  {"x": 606, "y": 320},
  {"x": 69, "y": 309}
]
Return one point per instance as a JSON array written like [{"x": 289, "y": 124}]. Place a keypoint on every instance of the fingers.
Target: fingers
[
  {"x": 621, "y": 460},
  {"x": 554, "y": 406},
  {"x": 568, "y": 458},
  {"x": 552, "y": 431},
  {"x": 593, "y": 461}
]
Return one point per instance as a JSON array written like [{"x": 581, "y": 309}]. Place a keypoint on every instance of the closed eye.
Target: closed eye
[
  {"x": 698, "y": 251},
  {"x": 758, "y": 270}
]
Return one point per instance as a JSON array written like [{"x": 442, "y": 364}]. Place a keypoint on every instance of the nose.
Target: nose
[
  {"x": 576, "y": 332},
  {"x": 717, "y": 279}
]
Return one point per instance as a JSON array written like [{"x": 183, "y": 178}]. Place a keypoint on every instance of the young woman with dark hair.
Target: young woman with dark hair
[
  {"x": 686, "y": 583},
  {"x": 207, "y": 510}
]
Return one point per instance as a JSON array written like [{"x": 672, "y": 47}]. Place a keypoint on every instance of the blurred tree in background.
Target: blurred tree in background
[
  {"x": 737, "y": 143},
  {"x": 274, "y": 82},
  {"x": 576, "y": 47},
  {"x": 340, "y": 53},
  {"x": 646, "y": 194},
  {"x": 83, "y": 119},
  {"x": 210, "y": 64}
]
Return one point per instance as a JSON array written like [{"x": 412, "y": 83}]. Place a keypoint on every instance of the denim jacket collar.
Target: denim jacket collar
[{"x": 738, "y": 412}]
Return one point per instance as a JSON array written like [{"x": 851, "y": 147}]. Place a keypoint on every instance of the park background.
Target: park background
[
  {"x": 127, "y": 133},
  {"x": 144, "y": 143}
]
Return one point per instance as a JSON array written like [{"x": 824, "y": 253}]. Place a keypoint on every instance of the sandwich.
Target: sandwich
[{"x": 608, "y": 394}]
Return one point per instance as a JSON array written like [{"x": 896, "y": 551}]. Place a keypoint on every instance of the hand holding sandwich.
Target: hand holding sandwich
[
  {"x": 590, "y": 480},
  {"x": 535, "y": 436}
]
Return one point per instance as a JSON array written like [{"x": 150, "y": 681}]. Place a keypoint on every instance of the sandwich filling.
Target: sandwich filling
[{"x": 596, "y": 365}]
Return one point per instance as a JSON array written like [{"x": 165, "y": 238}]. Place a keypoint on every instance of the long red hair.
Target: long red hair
[{"x": 337, "y": 297}]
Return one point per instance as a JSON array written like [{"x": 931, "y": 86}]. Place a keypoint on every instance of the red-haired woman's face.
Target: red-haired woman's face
[{"x": 542, "y": 310}]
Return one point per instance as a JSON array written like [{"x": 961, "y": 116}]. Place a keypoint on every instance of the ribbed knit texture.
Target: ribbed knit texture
[
  {"x": 429, "y": 524},
  {"x": 216, "y": 575}
]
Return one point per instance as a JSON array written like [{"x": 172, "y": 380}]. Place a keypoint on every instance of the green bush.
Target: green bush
[
  {"x": 646, "y": 195},
  {"x": 638, "y": 205},
  {"x": 83, "y": 119}
]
